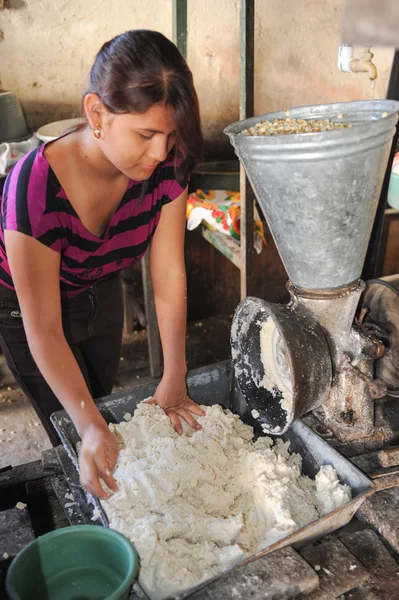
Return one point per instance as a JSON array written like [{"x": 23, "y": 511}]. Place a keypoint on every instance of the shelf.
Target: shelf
[
  {"x": 392, "y": 214},
  {"x": 227, "y": 245},
  {"x": 230, "y": 248}
]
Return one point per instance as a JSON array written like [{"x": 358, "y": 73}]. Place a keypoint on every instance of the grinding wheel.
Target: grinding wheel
[
  {"x": 380, "y": 302},
  {"x": 281, "y": 361}
]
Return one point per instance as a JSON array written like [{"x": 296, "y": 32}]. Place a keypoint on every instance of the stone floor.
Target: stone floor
[{"x": 22, "y": 437}]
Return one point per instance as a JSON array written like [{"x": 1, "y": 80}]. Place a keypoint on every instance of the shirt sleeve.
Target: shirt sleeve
[
  {"x": 176, "y": 188},
  {"x": 28, "y": 203},
  {"x": 174, "y": 180}
]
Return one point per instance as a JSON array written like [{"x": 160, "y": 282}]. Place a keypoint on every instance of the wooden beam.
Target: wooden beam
[
  {"x": 179, "y": 25},
  {"x": 373, "y": 263},
  {"x": 247, "y": 23},
  {"x": 179, "y": 36},
  {"x": 154, "y": 341}
]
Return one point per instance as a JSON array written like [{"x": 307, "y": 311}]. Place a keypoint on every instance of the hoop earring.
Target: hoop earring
[{"x": 97, "y": 132}]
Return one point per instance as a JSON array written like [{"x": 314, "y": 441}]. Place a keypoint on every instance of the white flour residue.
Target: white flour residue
[
  {"x": 194, "y": 505},
  {"x": 275, "y": 363},
  {"x": 330, "y": 493}
]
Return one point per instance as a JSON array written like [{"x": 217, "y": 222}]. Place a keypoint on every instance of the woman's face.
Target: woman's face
[{"x": 136, "y": 143}]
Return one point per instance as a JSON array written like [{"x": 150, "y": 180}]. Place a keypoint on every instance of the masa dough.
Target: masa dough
[{"x": 196, "y": 504}]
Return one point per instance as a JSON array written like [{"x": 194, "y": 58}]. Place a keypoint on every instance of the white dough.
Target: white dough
[
  {"x": 276, "y": 377},
  {"x": 196, "y": 504}
]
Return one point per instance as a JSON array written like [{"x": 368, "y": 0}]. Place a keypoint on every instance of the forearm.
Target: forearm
[
  {"x": 59, "y": 368},
  {"x": 170, "y": 295}
]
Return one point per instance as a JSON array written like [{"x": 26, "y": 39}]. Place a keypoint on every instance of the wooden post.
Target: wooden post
[
  {"x": 179, "y": 25},
  {"x": 247, "y": 21},
  {"x": 373, "y": 264},
  {"x": 179, "y": 35},
  {"x": 153, "y": 338}
]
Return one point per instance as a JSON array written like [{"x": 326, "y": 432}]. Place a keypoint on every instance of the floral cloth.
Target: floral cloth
[{"x": 220, "y": 210}]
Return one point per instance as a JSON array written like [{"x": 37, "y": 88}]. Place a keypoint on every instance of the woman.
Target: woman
[{"x": 78, "y": 210}]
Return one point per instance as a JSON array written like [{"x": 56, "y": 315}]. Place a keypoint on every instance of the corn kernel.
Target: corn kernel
[{"x": 291, "y": 126}]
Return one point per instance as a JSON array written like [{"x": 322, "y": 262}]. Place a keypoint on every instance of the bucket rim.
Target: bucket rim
[
  {"x": 71, "y": 530},
  {"x": 391, "y": 107}
]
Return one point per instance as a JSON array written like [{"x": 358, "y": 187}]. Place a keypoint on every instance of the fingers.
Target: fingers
[
  {"x": 97, "y": 461},
  {"x": 89, "y": 478},
  {"x": 151, "y": 401},
  {"x": 90, "y": 474},
  {"x": 188, "y": 417},
  {"x": 112, "y": 452},
  {"x": 185, "y": 403},
  {"x": 193, "y": 407},
  {"x": 185, "y": 409},
  {"x": 108, "y": 479},
  {"x": 184, "y": 412},
  {"x": 105, "y": 463},
  {"x": 174, "y": 419}
]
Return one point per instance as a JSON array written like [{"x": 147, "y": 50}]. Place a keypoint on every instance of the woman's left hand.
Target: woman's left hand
[{"x": 171, "y": 395}]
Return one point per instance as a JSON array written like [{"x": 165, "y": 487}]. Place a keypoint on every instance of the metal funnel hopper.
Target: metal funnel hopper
[{"x": 319, "y": 191}]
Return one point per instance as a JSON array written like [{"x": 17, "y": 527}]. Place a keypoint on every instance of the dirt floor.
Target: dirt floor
[{"x": 22, "y": 437}]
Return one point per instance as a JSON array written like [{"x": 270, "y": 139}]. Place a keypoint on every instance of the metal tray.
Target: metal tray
[{"x": 215, "y": 384}]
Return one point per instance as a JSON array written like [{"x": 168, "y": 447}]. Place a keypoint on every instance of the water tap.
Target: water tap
[{"x": 363, "y": 64}]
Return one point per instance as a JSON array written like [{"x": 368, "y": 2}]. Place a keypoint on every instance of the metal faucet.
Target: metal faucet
[{"x": 363, "y": 64}]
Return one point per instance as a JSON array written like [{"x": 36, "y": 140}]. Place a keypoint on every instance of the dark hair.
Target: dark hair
[{"x": 140, "y": 68}]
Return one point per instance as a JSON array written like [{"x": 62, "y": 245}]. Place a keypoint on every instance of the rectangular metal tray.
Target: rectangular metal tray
[{"x": 215, "y": 384}]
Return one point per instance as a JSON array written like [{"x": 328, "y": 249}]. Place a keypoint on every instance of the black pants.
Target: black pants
[{"x": 92, "y": 323}]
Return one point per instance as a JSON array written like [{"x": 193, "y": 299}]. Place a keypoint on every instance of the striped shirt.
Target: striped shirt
[{"x": 35, "y": 204}]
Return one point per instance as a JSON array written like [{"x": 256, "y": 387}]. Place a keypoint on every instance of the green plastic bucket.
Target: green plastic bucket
[{"x": 82, "y": 562}]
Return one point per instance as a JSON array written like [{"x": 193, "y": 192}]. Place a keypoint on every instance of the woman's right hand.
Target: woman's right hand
[{"x": 98, "y": 458}]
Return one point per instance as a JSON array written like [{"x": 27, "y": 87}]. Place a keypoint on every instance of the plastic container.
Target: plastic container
[
  {"x": 12, "y": 122},
  {"x": 52, "y": 131},
  {"x": 393, "y": 191},
  {"x": 221, "y": 175},
  {"x": 82, "y": 561}
]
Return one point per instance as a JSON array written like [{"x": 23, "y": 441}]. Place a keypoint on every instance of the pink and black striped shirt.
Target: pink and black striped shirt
[{"x": 35, "y": 204}]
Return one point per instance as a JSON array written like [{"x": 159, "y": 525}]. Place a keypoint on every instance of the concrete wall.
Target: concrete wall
[{"x": 47, "y": 47}]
